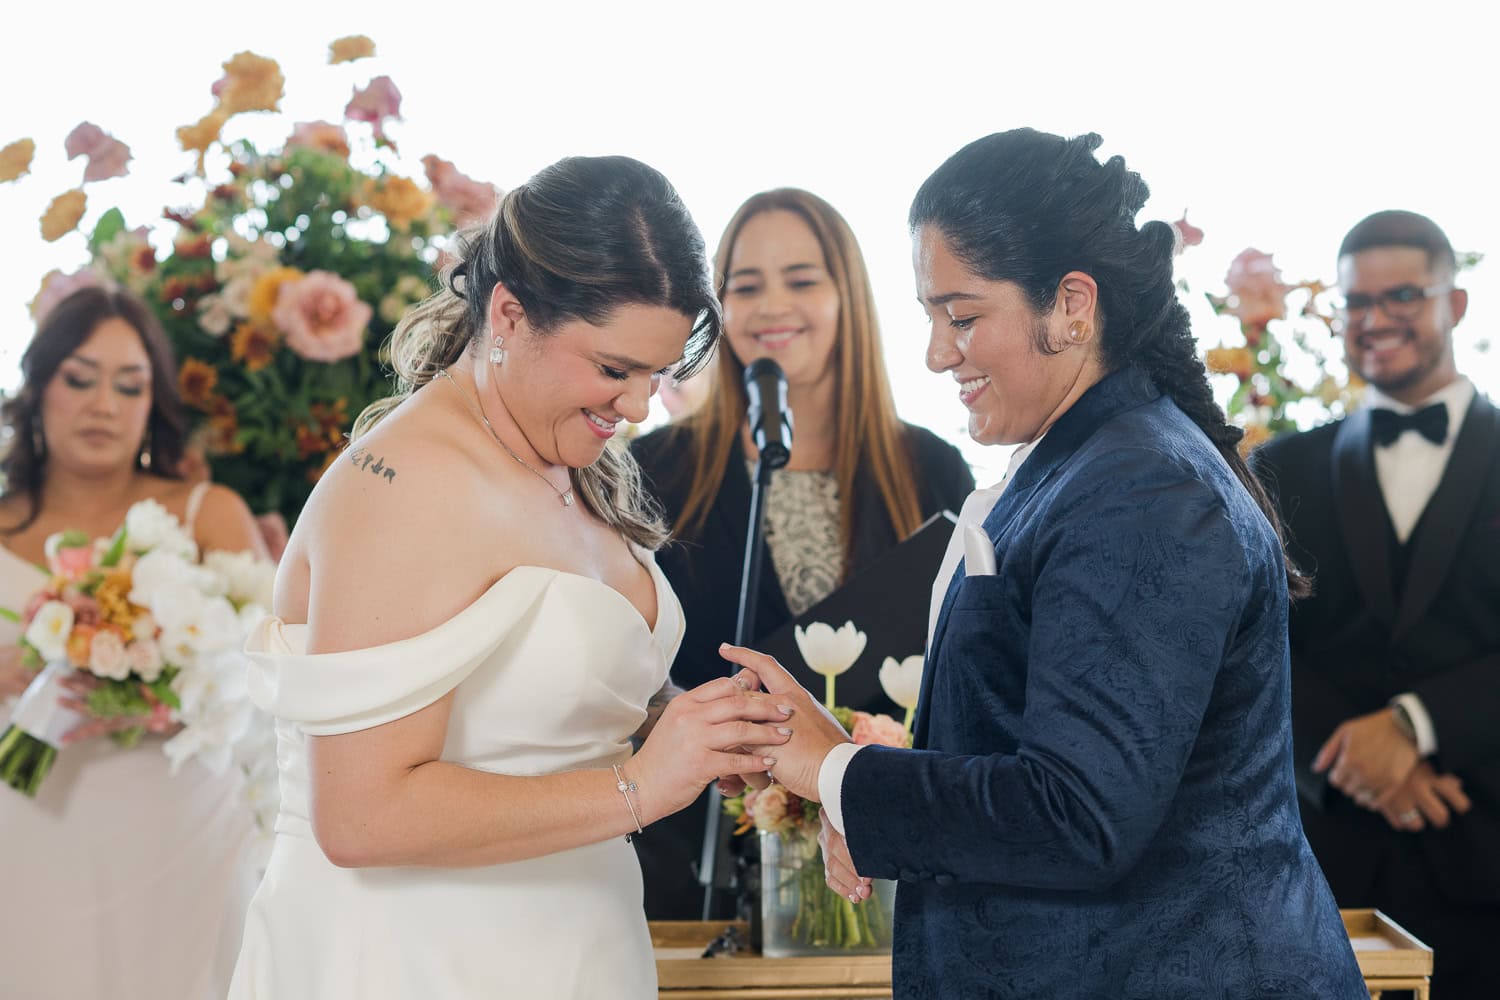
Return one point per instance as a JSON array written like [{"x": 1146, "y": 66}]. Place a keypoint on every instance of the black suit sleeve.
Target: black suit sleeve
[{"x": 1464, "y": 704}]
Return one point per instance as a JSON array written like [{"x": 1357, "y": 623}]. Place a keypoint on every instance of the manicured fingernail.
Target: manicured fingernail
[
  {"x": 853, "y": 897},
  {"x": 768, "y": 761},
  {"x": 786, "y": 710},
  {"x": 783, "y": 730}
]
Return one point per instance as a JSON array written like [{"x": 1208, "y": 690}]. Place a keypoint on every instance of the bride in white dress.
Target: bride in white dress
[
  {"x": 472, "y": 630},
  {"x": 119, "y": 879}
]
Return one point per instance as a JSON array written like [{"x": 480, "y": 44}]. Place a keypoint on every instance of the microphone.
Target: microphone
[{"x": 770, "y": 419}]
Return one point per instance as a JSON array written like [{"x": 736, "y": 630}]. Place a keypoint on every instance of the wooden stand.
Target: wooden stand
[{"x": 1389, "y": 958}]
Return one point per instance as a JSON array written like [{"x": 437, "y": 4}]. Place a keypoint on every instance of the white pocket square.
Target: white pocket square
[{"x": 979, "y": 552}]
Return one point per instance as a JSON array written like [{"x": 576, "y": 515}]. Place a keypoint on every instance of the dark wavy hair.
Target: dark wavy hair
[
  {"x": 1028, "y": 207},
  {"x": 577, "y": 241},
  {"x": 61, "y": 332}
]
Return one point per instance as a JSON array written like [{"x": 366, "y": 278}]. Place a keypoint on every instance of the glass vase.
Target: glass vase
[{"x": 800, "y": 915}]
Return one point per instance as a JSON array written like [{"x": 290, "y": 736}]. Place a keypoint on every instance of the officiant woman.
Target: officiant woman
[
  {"x": 794, "y": 288},
  {"x": 1100, "y": 802}
]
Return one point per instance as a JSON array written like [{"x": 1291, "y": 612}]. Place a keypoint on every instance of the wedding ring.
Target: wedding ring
[
  {"x": 1409, "y": 817},
  {"x": 1364, "y": 797}
]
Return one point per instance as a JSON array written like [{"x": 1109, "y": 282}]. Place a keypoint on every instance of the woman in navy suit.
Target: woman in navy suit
[{"x": 1101, "y": 800}]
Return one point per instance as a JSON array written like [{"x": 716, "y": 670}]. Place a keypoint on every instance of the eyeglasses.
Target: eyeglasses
[{"x": 1401, "y": 302}]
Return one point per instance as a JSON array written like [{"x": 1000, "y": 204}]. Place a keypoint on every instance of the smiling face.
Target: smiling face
[
  {"x": 1407, "y": 358},
  {"x": 568, "y": 389},
  {"x": 779, "y": 299},
  {"x": 96, "y": 407},
  {"x": 985, "y": 334}
]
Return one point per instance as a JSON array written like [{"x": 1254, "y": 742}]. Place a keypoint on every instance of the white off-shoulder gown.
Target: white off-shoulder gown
[{"x": 552, "y": 672}]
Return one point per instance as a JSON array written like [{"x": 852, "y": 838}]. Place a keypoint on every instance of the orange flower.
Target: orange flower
[
  {"x": 1231, "y": 361},
  {"x": 79, "y": 641},
  {"x": 250, "y": 83},
  {"x": 196, "y": 138},
  {"x": 399, "y": 199},
  {"x": 192, "y": 245},
  {"x": 224, "y": 428},
  {"x": 262, "y": 299},
  {"x": 350, "y": 48},
  {"x": 253, "y": 346},
  {"x": 1255, "y": 436},
  {"x": 196, "y": 380},
  {"x": 15, "y": 159},
  {"x": 62, "y": 216}
]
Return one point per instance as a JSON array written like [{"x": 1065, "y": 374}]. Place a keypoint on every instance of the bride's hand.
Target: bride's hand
[
  {"x": 80, "y": 684},
  {"x": 14, "y": 677},
  {"x": 702, "y": 735}
]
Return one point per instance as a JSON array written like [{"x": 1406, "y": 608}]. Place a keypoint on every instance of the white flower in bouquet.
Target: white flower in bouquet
[
  {"x": 903, "y": 683},
  {"x": 107, "y": 656},
  {"x": 247, "y": 580},
  {"x": 50, "y": 629},
  {"x": 150, "y": 527},
  {"x": 160, "y": 571},
  {"x": 144, "y": 655},
  {"x": 194, "y": 624},
  {"x": 829, "y": 652}
]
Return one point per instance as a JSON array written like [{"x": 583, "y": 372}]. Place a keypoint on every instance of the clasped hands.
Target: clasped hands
[
  {"x": 798, "y": 760},
  {"x": 1372, "y": 761}
]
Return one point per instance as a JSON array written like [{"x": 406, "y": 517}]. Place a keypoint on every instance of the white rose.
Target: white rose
[
  {"x": 50, "y": 629},
  {"x": 144, "y": 657},
  {"x": 247, "y": 579},
  {"x": 149, "y": 527},
  {"x": 107, "y": 656}
]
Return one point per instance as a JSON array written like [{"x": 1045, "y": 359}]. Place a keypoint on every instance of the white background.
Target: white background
[{"x": 1276, "y": 125}]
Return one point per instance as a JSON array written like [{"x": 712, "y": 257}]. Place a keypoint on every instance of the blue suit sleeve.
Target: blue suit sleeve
[{"x": 1139, "y": 581}]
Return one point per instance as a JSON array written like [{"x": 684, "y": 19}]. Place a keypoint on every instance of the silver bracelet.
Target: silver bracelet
[{"x": 626, "y": 787}]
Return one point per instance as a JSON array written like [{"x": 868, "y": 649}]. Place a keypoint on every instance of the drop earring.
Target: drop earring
[{"x": 497, "y": 351}]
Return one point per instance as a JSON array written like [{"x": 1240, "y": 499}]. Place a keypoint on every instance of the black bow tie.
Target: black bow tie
[{"x": 1431, "y": 422}]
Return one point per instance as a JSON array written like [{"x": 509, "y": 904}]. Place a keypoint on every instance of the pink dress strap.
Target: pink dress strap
[{"x": 195, "y": 500}]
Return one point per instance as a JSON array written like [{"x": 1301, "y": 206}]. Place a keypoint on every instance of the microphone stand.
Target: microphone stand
[{"x": 712, "y": 872}]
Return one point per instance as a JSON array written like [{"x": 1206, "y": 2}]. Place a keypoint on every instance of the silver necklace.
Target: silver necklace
[{"x": 566, "y": 496}]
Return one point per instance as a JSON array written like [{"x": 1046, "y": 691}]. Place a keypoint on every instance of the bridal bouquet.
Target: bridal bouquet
[
  {"x": 150, "y": 635},
  {"x": 799, "y": 912}
]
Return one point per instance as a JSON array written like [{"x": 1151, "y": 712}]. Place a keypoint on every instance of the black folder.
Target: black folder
[{"x": 888, "y": 600}]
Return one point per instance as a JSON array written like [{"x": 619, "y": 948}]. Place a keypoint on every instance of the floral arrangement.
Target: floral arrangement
[
  {"x": 285, "y": 277},
  {"x": 132, "y": 628},
  {"x": 824, "y": 919}
]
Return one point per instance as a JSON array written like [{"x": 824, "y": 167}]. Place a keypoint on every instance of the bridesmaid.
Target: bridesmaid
[{"x": 120, "y": 879}]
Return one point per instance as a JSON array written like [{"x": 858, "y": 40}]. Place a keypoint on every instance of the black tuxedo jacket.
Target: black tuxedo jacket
[{"x": 1371, "y": 632}]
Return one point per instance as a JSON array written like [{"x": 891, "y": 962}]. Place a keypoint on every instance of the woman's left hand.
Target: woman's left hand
[{"x": 815, "y": 731}]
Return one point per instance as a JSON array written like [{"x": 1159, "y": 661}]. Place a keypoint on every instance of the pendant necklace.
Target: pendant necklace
[{"x": 566, "y": 496}]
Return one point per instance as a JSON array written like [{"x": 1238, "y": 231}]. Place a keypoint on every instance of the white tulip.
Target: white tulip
[
  {"x": 902, "y": 681},
  {"x": 246, "y": 578},
  {"x": 829, "y": 652},
  {"x": 50, "y": 629},
  {"x": 150, "y": 527}
]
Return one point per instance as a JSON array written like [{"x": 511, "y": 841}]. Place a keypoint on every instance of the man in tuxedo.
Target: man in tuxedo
[{"x": 1395, "y": 511}]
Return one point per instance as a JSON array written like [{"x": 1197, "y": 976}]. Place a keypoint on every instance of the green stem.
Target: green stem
[
  {"x": 910, "y": 714},
  {"x": 828, "y": 697}
]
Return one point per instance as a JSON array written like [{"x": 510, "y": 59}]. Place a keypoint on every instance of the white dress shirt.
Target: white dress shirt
[
  {"x": 1408, "y": 471},
  {"x": 975, "y": 509}
]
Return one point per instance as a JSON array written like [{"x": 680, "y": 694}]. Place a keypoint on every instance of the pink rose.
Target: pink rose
[
  {"x": 878, "y": 729},
  {"x": 320, "y": 136},
  {"x": 107, "y": 655},
  {"x": 72, "y": 563},
  {"x": 321, "y": 316},
  {"x": 57, "y": 286},
  {"x": 465, "y": 197},
  {"x": 85, "y": 608},
  {"x": 107, "y": 155},
  {"x": 772, "y": 807},
  {"x": 1257, "y": 294},
  {"x": 378, "y": 101},
  {"x": 1188, "y": 235}
]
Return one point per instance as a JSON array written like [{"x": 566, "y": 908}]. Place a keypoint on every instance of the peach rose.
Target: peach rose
[
  {"x": 378, "y": 101},
  {"x": 62, "y": 216},
  {"x": 1188, "y": 235},
  {"x": 57, "y": 286},
  {"x": 399, "y": 199},
  {"x": 465, "y": 197},
  {"x": 15, "y": 159},
  {"x": 322, "y": 136},
  {"x": 322, "y": 317},
  {"x": 107, "y": 156},
  {"x": 772, "y": 808},
  {"x": 878, "y": 729},
  {"x": 107, "y": 655},
  {"x": 1257, "y": 294}
]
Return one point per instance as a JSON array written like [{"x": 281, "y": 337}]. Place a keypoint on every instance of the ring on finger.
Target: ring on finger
[{"x": 1409, "y": 817}]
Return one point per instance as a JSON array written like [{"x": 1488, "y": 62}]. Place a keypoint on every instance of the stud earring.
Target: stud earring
[
  {"x": 497, "y": 351},
  {"x": 1078, "y": 333}
]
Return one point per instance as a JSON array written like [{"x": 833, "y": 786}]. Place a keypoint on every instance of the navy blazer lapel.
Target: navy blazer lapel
[
  {"x": 1363, "y": 520},
  {"x": 1449, "y": 512},
  {"x": 1123, "y": 390}
]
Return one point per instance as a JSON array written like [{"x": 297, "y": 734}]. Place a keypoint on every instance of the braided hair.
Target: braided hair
[{"x": 1027, "y": 207}]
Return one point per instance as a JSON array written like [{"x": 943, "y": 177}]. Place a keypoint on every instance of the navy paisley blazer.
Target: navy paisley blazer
[{"x": 1101, "y": 802}]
